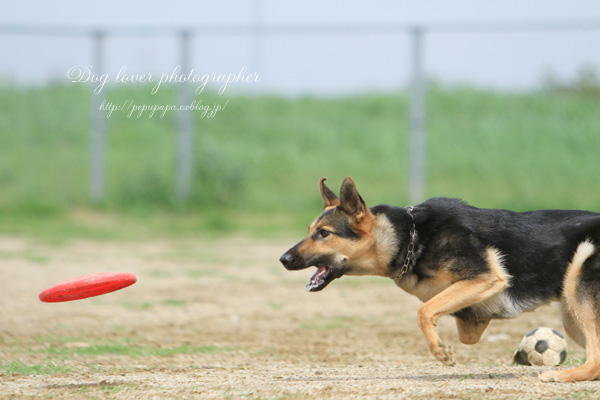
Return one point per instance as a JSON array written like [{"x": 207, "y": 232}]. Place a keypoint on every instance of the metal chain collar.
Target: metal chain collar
[{"x": 410, "y": 250}]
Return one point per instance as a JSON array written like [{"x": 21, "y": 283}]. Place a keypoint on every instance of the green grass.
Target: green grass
[
  {"x": 58, "y": 352},
  {"x": 125, "y": 346},
  {"x": 20, "y": 368},
  {"x": 257, "y": 163},
  {"x": 174, "y": 302},
  {"x": 133, "y": 350},
  {"x": 26, "y": 255}
]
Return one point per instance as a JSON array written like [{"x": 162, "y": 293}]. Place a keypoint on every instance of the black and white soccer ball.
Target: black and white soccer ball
[{"x": 542, "y": 346}]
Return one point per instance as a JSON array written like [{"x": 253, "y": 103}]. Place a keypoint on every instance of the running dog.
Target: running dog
[{"x": 474, "y": 264}]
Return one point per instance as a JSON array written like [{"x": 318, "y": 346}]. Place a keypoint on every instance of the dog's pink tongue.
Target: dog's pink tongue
[
  {"x": 317, "y": 279},
  {"x": 321, "y": 270}
]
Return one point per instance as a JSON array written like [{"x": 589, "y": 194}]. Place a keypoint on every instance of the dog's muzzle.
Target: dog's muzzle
[{"x": 291, "y": 261}]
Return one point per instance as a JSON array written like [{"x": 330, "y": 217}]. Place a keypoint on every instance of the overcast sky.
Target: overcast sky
[{"x": 314, "y": 63}]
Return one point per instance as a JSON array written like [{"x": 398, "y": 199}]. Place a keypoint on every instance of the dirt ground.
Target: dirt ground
[{"x": 221, "y": 319}]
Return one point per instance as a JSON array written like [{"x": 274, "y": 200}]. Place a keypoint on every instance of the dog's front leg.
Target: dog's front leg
[{"x": 459, "y": 295}]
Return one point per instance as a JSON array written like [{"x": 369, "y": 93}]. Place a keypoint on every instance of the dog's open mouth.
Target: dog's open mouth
[{"x": 320, "y": 279}]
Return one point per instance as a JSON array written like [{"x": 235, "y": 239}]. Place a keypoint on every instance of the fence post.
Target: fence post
[
  {"x": 184, "y": 125},
  {"x": 98, "y": 134},
  {"x": 417, "y": 120}
]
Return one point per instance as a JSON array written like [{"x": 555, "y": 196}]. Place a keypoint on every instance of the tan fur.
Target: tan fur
[
  {"x": 501, "y": 301},
  {"x": 581, "y": 320},
  {"x": 571, "y": 326},
  {"x": 376, "y": 249},
  {"x": 459, "y": 295},
  {"x": 369, "y": 256},
  {"x": 583, "y": 252},
  {"x": 426, "y": 288},
  {"x": 494, "y": 259},
  {"x": 590, "y": 370},
  {"x": 329, "y": 198},
  {"x": 386, "y": 242},
  {"x": 470, "y": 332}
]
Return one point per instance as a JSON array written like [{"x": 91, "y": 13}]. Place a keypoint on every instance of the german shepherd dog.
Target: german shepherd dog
[{"x": 474, "y": 264}]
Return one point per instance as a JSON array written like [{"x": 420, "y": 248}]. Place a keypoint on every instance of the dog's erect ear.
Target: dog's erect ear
[
  {"x": 329, "y": 198},
  {"x": 351, "y": 202}
]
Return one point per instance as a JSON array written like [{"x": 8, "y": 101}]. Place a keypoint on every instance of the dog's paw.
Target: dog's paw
[
  {"x": 552, "y": 376},
  {"x": 444, "y": 354}
]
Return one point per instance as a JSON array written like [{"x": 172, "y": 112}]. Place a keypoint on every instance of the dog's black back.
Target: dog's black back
[{"x": 535, "y": 246}]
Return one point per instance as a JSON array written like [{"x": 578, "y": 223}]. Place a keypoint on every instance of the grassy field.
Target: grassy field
[{"x": 258, "y": 161}]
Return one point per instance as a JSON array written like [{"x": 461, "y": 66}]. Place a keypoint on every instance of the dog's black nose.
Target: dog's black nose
[
  {"x": 291, "y": 260},
  {"x": 286, "y": 259}
]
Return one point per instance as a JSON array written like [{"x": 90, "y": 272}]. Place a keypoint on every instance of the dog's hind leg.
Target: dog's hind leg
[
  {"x": 581, "y": 305},
  {"x": 570, "y": 325},
  {"x": 587, "y": 318},
  {"x": 470, "y": 332}
]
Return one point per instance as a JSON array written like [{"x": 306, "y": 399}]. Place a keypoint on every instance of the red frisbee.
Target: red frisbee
[{"x": 87, "y": 286}]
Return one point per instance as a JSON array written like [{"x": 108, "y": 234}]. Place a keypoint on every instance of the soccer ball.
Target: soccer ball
[{"x": 542, "y": 346}]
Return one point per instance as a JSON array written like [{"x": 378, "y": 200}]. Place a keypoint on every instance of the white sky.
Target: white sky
[{"x": 309, "y": 64}]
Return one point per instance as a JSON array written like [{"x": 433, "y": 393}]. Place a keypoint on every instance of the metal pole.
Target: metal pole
[
  {"x": 184, "y": 126},
  {"x": 98, "y": 133},
  {"x": 417, "y": 120}
]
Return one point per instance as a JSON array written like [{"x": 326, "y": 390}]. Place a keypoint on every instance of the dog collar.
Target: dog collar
[{"x": 410, "y": 250}]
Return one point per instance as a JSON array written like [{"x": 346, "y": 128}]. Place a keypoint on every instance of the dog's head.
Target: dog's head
[{"x": 340, "y": 241}]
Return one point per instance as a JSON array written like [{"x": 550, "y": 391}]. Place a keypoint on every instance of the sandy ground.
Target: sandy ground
[{"x": 221, "y": 319}]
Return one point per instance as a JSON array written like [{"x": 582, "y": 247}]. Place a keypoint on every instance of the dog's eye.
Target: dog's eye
[{"x": 323, "y": 233}]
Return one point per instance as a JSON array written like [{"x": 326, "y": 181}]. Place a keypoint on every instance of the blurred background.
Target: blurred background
[{"x": 497, "y": 103}]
